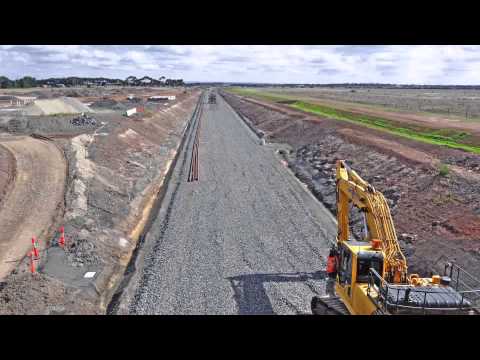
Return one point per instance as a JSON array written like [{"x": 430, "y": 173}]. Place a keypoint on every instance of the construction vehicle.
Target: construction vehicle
[
  {"x": 370, "y": 276},
  {"x": 212, "y": 99}
]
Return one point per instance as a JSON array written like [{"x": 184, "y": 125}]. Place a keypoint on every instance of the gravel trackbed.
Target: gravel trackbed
[{"x": 247, "y": 238}]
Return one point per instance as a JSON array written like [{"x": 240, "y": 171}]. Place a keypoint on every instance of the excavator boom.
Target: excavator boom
[{"x": 378, "y": 221}]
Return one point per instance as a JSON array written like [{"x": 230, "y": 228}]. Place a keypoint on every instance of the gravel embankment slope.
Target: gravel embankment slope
[{"x": 247, "y": 238}]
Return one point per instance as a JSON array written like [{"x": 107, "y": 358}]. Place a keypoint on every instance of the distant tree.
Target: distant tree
[
  {"x": 174, "y": 82},
  {"x": 26, "y": 82},
  {"x": 5, "y": 82},
  {"x": 131, "y": 80}
]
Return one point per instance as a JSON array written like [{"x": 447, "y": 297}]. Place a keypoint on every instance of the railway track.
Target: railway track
[
  {"x": 193, "y": 171},
  {"x": 209, "y": 249}
]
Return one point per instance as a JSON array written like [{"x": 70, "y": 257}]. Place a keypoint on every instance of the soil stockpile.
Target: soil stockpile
[{"x": 63, "y": 105}]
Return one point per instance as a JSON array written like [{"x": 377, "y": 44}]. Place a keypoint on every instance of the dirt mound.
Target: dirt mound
[
  {"x": 104, "y": 103},
  {"x": 109, "y": 104},
  {"x": 7, "y": 172},
  {"x": 64, "y": 105},
  {"x": 72, "y": 93}
]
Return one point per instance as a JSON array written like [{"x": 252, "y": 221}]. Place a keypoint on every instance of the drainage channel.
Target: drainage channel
[{"x": 131, "y": 268}]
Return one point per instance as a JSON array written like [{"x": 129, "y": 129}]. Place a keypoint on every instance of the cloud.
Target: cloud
[
  {"x": 420, "y": 64},
  {"x": 328, "y": 71},
  {"x": 359, "y": 49},
  {"x": 386, "y": 69}
]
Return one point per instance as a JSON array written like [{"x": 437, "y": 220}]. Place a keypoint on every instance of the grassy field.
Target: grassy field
[
  {"x": 260, "y": 94},
  {"x": 463, "y": 105},
  {"x": 443, "y": 137}
]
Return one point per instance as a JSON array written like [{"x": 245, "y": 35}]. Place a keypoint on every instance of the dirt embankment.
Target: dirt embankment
[
  {"x": 7, "y": 173},
  {"x": 436, "y": 217},
  {"x": 114, "y": 170}
]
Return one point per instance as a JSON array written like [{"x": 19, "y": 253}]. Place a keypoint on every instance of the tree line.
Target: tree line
[
  {"x": 29, "y": 82},
  {"x": 25, "y": 82}
]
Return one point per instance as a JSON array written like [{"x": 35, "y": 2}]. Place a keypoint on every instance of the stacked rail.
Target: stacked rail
[{"x": 193, "y": 172}]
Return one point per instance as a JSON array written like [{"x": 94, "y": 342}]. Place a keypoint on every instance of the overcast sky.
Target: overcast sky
[{"x": 274, "y": 64}]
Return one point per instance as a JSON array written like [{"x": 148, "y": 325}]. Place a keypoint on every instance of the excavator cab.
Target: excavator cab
[{"x": 355, "y": 260}]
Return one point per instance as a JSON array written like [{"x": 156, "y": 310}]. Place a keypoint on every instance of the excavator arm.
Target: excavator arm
[{"x": 351, "y": 188}]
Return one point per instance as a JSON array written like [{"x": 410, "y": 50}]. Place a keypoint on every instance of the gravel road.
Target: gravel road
[
  {"x": 34, "y": 199},
  {"x": 247, "y": 238}
]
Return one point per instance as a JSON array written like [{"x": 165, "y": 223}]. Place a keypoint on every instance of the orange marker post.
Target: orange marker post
[
  {"x": 61, "y": 242},
  {"x": 35, "y": 249}
]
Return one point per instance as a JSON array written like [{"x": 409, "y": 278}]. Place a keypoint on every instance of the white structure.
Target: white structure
[
  {"x": 24, "y": 100},
  {"x": 130, "y": 112},
  {"x": 162, "y": 97}
]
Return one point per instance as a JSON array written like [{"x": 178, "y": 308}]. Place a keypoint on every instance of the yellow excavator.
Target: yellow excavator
[{"x": 370, "y": 276}]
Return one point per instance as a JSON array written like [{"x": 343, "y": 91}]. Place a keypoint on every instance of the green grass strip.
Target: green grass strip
[{"x": 443, "y": 137}]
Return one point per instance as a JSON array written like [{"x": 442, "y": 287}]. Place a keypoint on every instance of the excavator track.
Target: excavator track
[{"x": 328, "y": 305}]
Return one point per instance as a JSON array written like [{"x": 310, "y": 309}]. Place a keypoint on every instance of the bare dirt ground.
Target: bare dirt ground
[
  {"x": 460, "y": 104},
  {"x": 115, "y": 168},
  {"x": 436, "y": 217},
  {"x": 431, "y": 121},
  {"x": 439, "y": 111},
  {"x": 34, "y": 197},
  {"x": 283, "y": 115}
]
